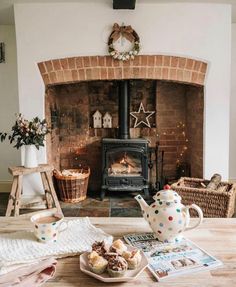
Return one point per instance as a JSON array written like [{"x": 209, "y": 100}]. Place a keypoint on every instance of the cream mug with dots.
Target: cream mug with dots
[
  {"x": 167, "y": 216},
  {"x": 48, "y": 225}
]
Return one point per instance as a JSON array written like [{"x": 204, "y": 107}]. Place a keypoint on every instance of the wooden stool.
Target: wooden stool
[{"x": 18, "y": 172}]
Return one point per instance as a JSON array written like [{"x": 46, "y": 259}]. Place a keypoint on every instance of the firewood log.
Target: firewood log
[{"x": 214, "y": 182}]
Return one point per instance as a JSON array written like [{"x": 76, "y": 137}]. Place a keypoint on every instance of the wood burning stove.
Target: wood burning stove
[
  {"x": 125, "y": 165},
  {"x": 125, "y": 160}
]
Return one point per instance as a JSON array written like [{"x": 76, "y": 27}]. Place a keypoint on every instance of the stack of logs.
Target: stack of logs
[{"x": 214, "y": 182}]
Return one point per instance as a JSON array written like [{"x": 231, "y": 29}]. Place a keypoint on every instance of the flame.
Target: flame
[{"x": 124, "y": 161}]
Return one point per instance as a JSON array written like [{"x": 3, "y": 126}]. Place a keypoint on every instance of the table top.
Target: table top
[{"x": 215, "y": 235}]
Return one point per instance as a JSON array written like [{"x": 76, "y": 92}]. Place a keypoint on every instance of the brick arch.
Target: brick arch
[{"x": 88, "y": 68}]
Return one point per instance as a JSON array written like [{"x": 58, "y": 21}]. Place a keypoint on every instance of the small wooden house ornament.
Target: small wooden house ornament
[
  {"x": 97, "y": 120},
  {"x": 107, "y": 120}
]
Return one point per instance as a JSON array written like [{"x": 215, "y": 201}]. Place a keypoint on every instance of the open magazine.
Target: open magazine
[{"x": 172, "y": 259}]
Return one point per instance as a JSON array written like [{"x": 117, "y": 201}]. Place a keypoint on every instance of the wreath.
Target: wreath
[{"x": 129, "y": 33}]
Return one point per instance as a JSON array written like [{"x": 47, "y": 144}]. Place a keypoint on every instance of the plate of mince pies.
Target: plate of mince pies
[{"x": 117, "y": 262}]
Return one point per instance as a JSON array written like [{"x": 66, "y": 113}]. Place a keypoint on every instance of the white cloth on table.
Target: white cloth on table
[{"x": 21, "y": 248}]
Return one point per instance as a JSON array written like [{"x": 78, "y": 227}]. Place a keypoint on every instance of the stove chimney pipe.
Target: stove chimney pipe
[{"x": 123, "y": 88}]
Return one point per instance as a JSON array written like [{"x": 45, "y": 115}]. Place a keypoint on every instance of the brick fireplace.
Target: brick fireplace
[{"x": 171, "y": 86}]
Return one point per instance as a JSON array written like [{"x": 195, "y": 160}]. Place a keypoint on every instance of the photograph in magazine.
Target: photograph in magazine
[{"x": 172, "y": 259}]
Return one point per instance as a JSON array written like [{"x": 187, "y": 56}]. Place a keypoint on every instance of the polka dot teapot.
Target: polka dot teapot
[{"x": 167, "y": 216}]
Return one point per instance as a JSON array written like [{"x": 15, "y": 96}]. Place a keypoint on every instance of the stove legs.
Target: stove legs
[
  {"x": 102, "y": 194},
  {"x": 146, "y": 193}
]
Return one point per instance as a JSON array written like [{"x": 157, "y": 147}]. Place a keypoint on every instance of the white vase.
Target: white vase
[{"x": 30, "y": 156}]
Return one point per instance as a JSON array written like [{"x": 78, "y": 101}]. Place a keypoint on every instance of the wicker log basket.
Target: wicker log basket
[
  {"x": 214, "y": 203},
  {"x": 72, "y": 189}
]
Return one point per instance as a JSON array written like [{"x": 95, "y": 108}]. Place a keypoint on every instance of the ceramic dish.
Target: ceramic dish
[{"x": 104, "y": 277}]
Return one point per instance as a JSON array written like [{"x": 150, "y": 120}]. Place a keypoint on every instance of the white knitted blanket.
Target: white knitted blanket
[{"x": 20, "y": 248}]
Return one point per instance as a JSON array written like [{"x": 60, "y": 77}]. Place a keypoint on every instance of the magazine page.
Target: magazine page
[{"x": 172, "y": 259}]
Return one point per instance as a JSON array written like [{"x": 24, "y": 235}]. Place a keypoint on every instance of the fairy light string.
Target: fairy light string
[{"x": 180, "y": 131}]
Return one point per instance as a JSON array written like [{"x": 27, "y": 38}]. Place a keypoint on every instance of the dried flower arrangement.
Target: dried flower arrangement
[
  {"x": 25, "y": 132},
  {"x": 128, "y": 33}
]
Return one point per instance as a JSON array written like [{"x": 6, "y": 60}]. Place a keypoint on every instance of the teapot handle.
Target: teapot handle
[{"x": 200, "y": 214}]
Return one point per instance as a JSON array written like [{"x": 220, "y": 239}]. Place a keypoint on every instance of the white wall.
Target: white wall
[
  {"x": 201, "y": 31},
  {"x": 232, "y": 160},
  {"x": 8, "y": 99}
]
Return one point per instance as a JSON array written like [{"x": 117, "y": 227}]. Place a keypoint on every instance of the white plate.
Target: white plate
[{"x": 129, "y": 274}]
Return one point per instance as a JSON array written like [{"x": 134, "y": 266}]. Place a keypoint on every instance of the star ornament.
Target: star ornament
[{"x": 142, "y": 116}]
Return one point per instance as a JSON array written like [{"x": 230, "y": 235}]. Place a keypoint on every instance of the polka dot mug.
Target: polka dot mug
[
  {"x": 167, "y": 216},
  {"x": 48, "y": 225}
]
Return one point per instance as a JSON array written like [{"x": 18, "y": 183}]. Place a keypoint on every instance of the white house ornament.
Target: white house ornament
[
  {"x": 97, "y": 120},
  {"x": 142, "y": 116},
  {"x": 107, "y": 120}
]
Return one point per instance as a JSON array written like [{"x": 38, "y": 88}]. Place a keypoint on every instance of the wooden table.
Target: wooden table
[{"x": 217, "y": 236}]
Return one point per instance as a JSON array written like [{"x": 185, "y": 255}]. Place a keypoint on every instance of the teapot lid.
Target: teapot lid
[{"x": 167, "y": 195}]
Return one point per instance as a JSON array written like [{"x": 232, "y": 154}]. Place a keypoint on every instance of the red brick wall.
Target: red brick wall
[
  {"x": 194, "y": 128},
  {"x": 171, "y": 117},
  {"x": 70, "y": 107},
  {"x": 53, "y": 145},
  {"x": 180, "y": 126},
  {"x": 158, "y": 67},
  {"x": 75, "y": 142}
]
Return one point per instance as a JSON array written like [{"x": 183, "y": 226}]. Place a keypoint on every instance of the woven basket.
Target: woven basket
[
  {"x": 214, "y": 203},
  {"x": 72, "y": 188}
]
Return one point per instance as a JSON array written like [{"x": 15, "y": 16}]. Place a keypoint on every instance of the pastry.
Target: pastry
[
  {"x": 118, "y": 247},
  {"x": 110, "y": 255},
  {"x": 97, "y": 263},
  {"x": 117, "y": 266},
  {"x": 133, "y": 258},
  {"x": 100, "y": 247}
]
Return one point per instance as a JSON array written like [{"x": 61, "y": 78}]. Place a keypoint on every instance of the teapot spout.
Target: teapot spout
[{"x": 144, "y": 206}]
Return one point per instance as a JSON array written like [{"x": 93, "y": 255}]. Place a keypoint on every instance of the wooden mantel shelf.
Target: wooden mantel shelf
[{"x": 217, "y": 236}]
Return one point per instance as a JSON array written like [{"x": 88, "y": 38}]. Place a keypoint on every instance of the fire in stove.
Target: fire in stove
[{"x": 125, "y": 165}]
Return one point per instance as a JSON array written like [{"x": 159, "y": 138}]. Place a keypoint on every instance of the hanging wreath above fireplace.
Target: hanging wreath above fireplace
[{"x": 123, "y": 42}]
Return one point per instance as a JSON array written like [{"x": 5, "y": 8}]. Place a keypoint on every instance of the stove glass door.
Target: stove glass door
[{"x": 124, "y": 163}]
